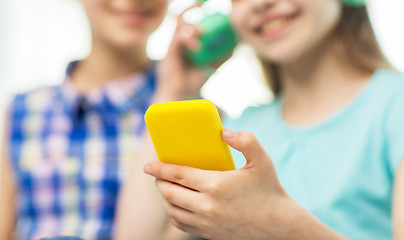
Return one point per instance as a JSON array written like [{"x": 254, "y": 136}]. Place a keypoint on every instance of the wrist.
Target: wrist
[
  {"x": 161, "y": 97},
  {"x": 301, "y": 224}
]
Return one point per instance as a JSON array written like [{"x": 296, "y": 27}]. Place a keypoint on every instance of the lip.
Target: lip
[
  {"x": 276, "y": 33},
  {"x": 133, "y": 19}
]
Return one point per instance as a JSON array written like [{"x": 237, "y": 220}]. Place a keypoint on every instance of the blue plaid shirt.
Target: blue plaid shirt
[{"x": 70, "y": 153}]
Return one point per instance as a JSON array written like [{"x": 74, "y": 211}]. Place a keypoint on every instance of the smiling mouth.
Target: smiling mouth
[
  {"x": 134, "y": 18},
  {"x": 275, "y": 26}
]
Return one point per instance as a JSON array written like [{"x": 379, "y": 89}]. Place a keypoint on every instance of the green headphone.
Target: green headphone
[{"x": 354, "y": 3}]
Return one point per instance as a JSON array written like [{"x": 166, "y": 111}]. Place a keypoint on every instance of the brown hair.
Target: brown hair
[{"x": 359, "y": 46}]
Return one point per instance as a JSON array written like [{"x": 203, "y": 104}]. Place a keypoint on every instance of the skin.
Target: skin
[
  {"x": 301, "y": 38},
  {"x": 7, "y": 195},
  {"x": 141, "y": 214},
  {"x": 120, "y": 29},
  {"x": 398, "y": 208},
  {"x": 317, "y": 83}
]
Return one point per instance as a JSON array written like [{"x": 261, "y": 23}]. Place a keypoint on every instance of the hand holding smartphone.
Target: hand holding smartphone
[{"x": 189, "y": 133}]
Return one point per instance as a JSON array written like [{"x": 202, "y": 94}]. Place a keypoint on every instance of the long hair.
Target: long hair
[{"x": 359, "y": 46}]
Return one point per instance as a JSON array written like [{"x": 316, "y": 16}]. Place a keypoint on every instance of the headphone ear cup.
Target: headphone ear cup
[{"x": 354, "y": 3}]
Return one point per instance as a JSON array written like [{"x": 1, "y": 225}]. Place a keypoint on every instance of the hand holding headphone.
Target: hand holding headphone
[{"x": 217, "y": 41}]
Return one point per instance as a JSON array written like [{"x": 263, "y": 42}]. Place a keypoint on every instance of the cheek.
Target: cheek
[
  {"x": 323, "y": 15},
  {"x": 163, "y": 4},
  {"x": 239, "y": 22},
  {"x": 96, "y": 11},
  {"x": 321, "y": 19},
  {"x": 161, "y": 12},
  {"x": 93, "y": 6}
]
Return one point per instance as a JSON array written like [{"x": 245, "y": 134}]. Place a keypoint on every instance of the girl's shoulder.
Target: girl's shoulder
[
  {"x": 389, "y": 73},
  {"x": 387, "y": 89},
  {"x": 390, "y": 81},
  {"x": 389, "y": 95}
]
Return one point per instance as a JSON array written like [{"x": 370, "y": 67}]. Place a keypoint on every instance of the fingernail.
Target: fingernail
[
  {"x": 147, "y": 169},
  {"x": 186, "y": 31},
  {"x": 229, "y": 133}
]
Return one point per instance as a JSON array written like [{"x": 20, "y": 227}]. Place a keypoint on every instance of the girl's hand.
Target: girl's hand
[
  {"x": 178, "y": 79},
  {"x": 248, "y": 203},
  {"x": 224, "y": 205}
]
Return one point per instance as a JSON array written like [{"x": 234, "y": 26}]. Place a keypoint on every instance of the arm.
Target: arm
[
  {"x": 247, "y": 203},
  {"x": 7, "y": 195},
  {"x": 141, "y": 214},
  {"x": 398, "y": 204}
]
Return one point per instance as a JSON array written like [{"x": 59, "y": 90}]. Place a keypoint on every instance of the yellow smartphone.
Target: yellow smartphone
[{"x": 189, "y": 133}]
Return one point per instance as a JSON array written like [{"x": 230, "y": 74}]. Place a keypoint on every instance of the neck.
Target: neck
[
  {"x": 106, "y": 63},
  {"x": 320, "y": 86}
]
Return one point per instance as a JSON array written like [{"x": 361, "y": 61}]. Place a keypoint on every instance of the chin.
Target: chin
[
  {"x": 130, "y": 42},
  {"x": 279, "y": 56}
]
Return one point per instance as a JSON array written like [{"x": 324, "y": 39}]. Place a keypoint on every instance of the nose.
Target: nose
[{"x": 259, "y": 6}]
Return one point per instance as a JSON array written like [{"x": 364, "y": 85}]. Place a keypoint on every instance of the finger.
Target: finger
[
  {"x": 248, "y": 144},
  {"x": 185, "y": 35},
  {"x": 178, "y": 195},
  {"x": 188, "y": 36},
  {"x": 188, "y": 30},
  {"x": 187, "y": 228},
  {"x": 186, "y": 176},
  {"x": 181, "y": 215}
]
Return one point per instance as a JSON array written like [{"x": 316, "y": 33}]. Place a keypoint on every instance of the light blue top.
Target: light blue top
[{"x": 342, "y": 169}]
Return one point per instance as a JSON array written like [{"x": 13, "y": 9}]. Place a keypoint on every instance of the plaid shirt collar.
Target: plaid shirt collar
[{"x": 120, "y": 95}]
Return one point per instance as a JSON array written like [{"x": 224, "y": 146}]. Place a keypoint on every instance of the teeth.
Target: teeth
[{"x": 274, "y": 25}]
